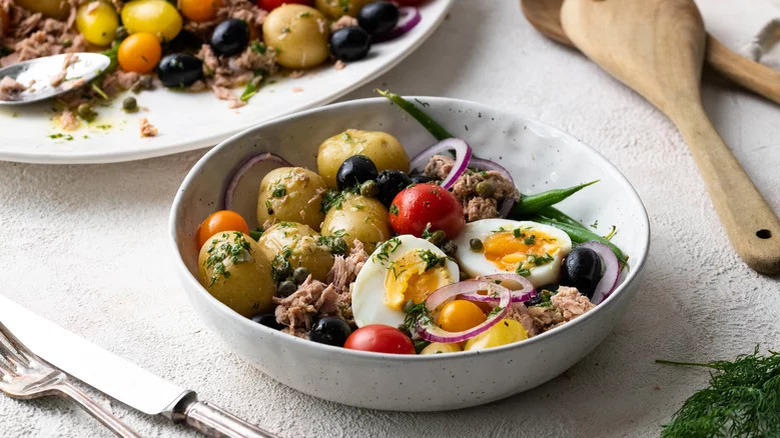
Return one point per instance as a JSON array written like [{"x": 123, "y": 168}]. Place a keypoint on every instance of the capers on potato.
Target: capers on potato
[
  {"x": 234, "y": 270},
  {"x": 291, "y": 194},
  {"x": 358, "y": 218},
  {"x": 289, "y": 245},
  {"x": 382, "y": 148}
]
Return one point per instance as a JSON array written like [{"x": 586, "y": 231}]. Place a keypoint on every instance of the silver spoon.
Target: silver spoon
[{"x": 50, "y": 76}]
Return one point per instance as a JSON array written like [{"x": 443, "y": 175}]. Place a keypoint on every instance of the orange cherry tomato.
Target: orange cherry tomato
[
  {"x": 460, "y": 315},
  {"x": 217, "y": 222},
  {"x": 199, "y": 10},
  {"x": 140, "y": 52}
]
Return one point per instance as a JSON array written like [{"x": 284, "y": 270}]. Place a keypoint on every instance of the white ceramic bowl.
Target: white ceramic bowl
[{"x": 539, "y": 157}]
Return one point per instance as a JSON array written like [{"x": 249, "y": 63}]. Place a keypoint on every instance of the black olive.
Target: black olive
[
  {"x": 582, "y": 269},
  {"x": 350, "y": 43},
  {"x": 179, "y": 70},
  {"x": 330, "y": 330},
  {"x": 420, "y": 178},
  {"x": 355, "y": 170},
  {"x": 390, "y": 183},
  {"x": 268, "y": 320},
  {"x": 230, "y": 37},
  {"x": 184, "y": 42},
  {"x": 378, "y": 17}
]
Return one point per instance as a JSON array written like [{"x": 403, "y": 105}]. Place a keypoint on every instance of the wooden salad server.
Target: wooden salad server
[
  {"x": 656, "y": 47},
  {"x": 545, "y": 16}
]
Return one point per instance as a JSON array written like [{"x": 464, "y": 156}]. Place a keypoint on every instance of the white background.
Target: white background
[{"x": 86, "y": 247}]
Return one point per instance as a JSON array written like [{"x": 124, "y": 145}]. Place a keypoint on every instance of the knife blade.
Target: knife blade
[{"x": 120, "y": 378}]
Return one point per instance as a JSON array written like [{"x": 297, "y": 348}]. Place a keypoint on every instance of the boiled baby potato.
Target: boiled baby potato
[
  {"x": 234, "y": 271},
  {"x": 439, "y": 347},
  {"x": 289, "y": 245},
  {"x": 382, "y": 148},
  {"x": 299, "y": 34},
  {"x": 291, "y": 194},
  {"x": 58, "y": 9},
  {"x": 358, "y": 218},
  {"x": 506, "y": 331},
  {"x": 336, "y": 8}
]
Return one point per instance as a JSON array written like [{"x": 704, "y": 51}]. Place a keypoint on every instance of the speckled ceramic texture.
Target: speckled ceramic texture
[{"x": 539, "y": 157}]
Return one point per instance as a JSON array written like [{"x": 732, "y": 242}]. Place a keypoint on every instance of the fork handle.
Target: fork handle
[{"x": 99, "y": 412}]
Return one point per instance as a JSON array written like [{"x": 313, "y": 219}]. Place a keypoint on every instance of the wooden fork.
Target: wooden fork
[{"x": 24, "y": 375}]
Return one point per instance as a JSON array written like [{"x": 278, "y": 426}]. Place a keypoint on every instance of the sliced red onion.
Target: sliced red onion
[
  {"x": 609, "y": 280},
  {"x": 244, "y": 168},
  {"x": 482, "y": 164},
  {"x": 432, "y": 333},
  {"x": 525, "y": 293},
  {"x": 408, "y": 18},
  {"x": 462, "y": 158}
]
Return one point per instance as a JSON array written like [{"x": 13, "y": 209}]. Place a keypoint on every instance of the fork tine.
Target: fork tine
[
  {"x": 17, "y": 354},
  {"x": 6, "y": 370}
]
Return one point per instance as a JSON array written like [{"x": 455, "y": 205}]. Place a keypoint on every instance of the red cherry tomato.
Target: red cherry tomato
[
  {"x": 422, "y": 204},
  {"x": 270, "y": 5},
  {"x": 380, "y": 338}
]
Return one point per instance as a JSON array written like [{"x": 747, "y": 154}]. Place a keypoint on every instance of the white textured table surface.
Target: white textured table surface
[{"x": 86, "y": 247}]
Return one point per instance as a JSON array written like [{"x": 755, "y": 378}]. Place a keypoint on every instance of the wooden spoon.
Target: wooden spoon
[
  {"x": 545, "y": 16},
  {"x": 656, "y": 47}
]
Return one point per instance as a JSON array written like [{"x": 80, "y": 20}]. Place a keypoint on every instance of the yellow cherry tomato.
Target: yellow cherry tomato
[
  {"x": 199, "y": 10},
  {"x": 157, "y": 17},
  {"x": 140, "y": 52},
  {"x": 440, "y": 347},
  {"x": 506, "y": 331},
  {"x": 217, "y": 222},
  {"x": 460, "y": 315},
  {"x": 97, "y": 21}
]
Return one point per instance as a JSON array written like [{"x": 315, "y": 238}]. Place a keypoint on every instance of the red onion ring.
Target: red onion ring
[
  {"x": 462, "y": 158},
  {"x": 482, "y": 164},
  {"x": 244, "y": 168},
  {"x": 408, "y": 18},
  {"x": 522, "y": 295},
  {"x": 609, "y": 280},
  {"x": 432, "y": 333}
]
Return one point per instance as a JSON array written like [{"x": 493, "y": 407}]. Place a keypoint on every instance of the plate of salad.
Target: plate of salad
[
  {"x": 437, "y": 268},
  {"x": 185, "y": 75}
]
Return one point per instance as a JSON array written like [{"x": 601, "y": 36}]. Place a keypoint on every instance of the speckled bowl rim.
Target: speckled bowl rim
[{"x": 634, "y": 269}]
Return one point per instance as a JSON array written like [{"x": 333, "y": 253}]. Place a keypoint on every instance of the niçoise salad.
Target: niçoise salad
[{"x": 376, "y": 252}]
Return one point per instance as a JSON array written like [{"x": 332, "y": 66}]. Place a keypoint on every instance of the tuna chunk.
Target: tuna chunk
[
  {"x": 565, "y": 306},
  {"x": 9, "y": 88}
]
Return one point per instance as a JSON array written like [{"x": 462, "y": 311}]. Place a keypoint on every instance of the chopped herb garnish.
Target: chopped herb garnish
[
  {"x": 530, "y": 240},
  {"x": 394, "y": 210},
  {"x": 417, "y": 315},
  {"x": 431, "y": 260},
  {"x": 387, "y": 248},
  {"x": 259, "y": 47},
  {"x": 332, "y": 199},
  {"x": 235, "y": 250},
  {"x": 595, "y": 224},
  {"x": 336, "y": 242},
  {"x": 279, "y": 191},
  {"x": 525, "y": 272},
  {"x": 496, "y": 310}
]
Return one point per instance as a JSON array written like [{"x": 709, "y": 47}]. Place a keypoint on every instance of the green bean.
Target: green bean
[
  {"x": 428, "y": 123},
  {"x": 533, "y": 203},
  {"x": 580, "y": 235},
  {"x": 555, "y": 214}
]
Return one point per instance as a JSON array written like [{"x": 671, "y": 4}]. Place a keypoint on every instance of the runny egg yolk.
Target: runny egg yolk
[
  {"x": 411, "y": 278},
  {"x": 520, "y": 248}
]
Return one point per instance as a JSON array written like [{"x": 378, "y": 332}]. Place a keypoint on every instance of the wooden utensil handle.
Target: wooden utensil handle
[
  {"x": 750, "y": 74},
  {"x": 751, "y": 225}
]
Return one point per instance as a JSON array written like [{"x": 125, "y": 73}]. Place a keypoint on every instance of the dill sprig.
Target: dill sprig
[{"x": 743, "y": 400}]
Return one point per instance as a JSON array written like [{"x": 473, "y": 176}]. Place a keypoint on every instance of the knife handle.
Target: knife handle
[{"x": 215, "y": 422}]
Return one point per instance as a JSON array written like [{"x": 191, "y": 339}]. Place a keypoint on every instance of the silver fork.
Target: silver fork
[{"x": 24, "y": 375}]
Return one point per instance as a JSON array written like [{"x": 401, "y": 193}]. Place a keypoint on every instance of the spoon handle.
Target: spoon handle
[
  {"x": 750, "y": 223},
  {"x": 750, "y": 74}
]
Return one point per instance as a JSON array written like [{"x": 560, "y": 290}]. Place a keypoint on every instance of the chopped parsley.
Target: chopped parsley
[
  {"x": 417, "y": 315},
  {"x": 518, "y": 233},
  {"x": 530, "y": 240},
  {"x": 279, "y": 191},
  {"x": 235, "y": 250},
  {"x": 546, "y": 296},
  {"x": 336, "y": 242},
  {"x": 387, "y": 248},
  {"x": 525, "y": 272},
  {"x": 595, "y": 224},
  {"x": 259, "y": 47},
  {"x": 280, "y": 265},
  {"x": 539, "y": 260},
  {"x": 394, "y": 210},
  {"x": 496, "y": 310},
  {"x": 332, "y": 199}
]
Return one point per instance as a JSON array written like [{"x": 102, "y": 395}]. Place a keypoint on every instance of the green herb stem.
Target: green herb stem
[
  {"x": 529, "y": 204},
  {"x": 426, "y": 121}
]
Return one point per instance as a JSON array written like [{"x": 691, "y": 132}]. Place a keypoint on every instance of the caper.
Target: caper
[
  {"x": 86, "y": 112},
  {"x": 449, "y": 248},
  {"x": 130, "y": 104},
  {"x": 287, "y": 288},
  {"x": 486, "y": 189},
  {"x": 476, "y": 245},
  {"x": 300, "y": 274},
  {"x": 369, "y": 189},
  {"x": 437, "y": 237},
  {"x": 121, "y": 33},
  {"x": 408, "y": 305}
]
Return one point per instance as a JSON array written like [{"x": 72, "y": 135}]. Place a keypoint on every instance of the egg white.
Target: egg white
[
  {"x": 475, "y": 263},
  {"x": 368, "y": 291}
]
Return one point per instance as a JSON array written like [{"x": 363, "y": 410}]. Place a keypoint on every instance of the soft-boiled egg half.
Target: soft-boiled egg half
[
  {"x": 530, "y": 249},
  {"x": 403, "y": 268}
]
